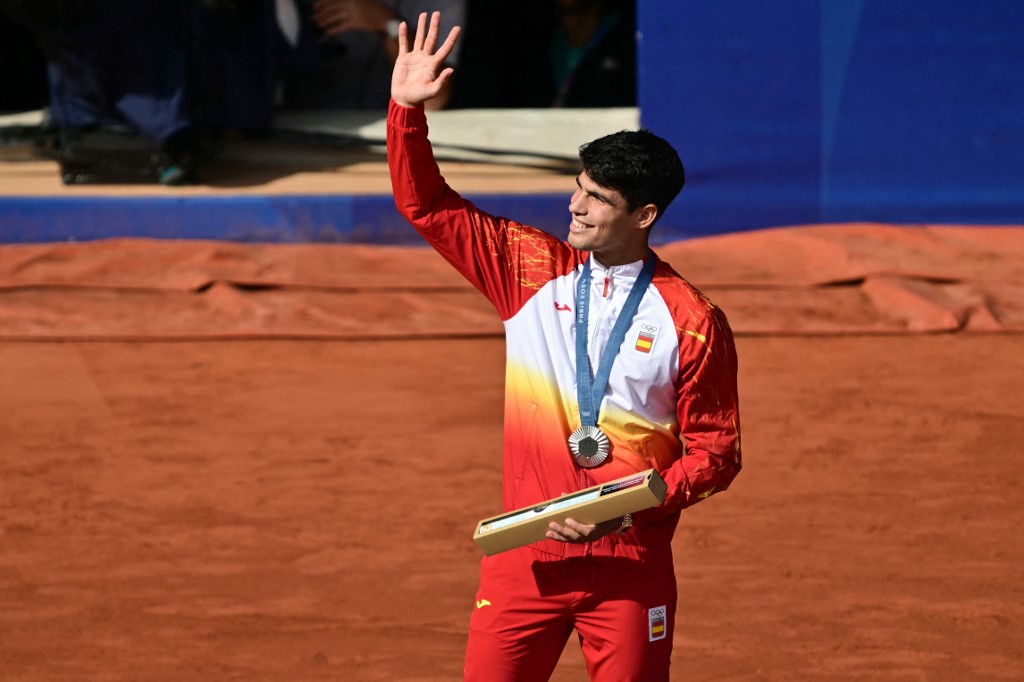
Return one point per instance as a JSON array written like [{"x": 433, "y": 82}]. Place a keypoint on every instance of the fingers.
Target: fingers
[
  {"x": 403, "y": 39},
  {"x": 575, "y": 532},
  {"x": 443, "y": 77},
  {"x": 570, "y": 531},
  {"x": 421, "y": 32},
  {"x": 449, "y": 44},
  {"x": 426, "y": 37},
  {"x": 435, "y": 26},
  {"x": 560, "y": 534}
]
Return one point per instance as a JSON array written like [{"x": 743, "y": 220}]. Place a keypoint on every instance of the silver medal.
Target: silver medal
[{"x": 589, "y": 446}]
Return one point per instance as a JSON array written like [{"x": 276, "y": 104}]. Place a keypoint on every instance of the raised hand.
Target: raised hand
[{"x": 420, "y": 73}]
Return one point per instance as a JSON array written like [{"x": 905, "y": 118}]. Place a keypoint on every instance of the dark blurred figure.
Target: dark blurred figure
[
  {"x": 581, "y": 53},
  {"x": 345, "y": 50},
  {"x": 22, "y": 69},
  {"x": 177, "y": 72}
]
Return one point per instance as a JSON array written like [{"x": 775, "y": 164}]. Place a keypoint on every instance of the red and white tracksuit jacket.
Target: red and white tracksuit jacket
[{"x": 671, "y": 401}]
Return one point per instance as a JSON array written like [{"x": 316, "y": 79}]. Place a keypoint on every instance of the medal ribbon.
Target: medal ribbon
[{"x": 588, "y": 394}]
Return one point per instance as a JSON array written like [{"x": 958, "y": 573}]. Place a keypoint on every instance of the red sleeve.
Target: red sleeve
[
  {"x": 505, "y": 260},
  {"x": 708, "y": 411}
]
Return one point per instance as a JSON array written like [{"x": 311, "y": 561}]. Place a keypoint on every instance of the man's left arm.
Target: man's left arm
[{"x": 708, "y": 411}]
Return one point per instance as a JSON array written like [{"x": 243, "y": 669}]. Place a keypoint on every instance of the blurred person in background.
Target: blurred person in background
[
  {"x": 174, "y": 72},
  {"x": 22, "y": 69},
  {"x": 344, "y": 51},
  {"x": 548, "y": 53}
]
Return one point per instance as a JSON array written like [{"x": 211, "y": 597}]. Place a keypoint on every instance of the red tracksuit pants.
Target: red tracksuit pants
[{"x": 622, "y": 609}]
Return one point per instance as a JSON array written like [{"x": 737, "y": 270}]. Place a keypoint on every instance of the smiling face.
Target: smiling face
[{"x": 603, "y": 224}]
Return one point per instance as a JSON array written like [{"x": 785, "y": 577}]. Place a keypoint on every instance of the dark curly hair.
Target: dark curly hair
[{"x": 639, "y": 165}]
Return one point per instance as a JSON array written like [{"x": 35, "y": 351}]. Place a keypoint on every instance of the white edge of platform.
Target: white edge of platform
[{"x": 498, "y": 135}]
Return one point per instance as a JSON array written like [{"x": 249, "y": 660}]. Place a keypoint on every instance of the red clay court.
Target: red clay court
[{"x": 265, "y": 462}]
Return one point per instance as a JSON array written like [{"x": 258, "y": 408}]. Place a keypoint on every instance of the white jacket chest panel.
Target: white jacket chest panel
[{"x": 541, "y": 339}]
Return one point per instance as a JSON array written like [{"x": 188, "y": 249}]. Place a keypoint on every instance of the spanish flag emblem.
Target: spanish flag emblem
[
  {"x": 644, "y": 342},
  {"x": 656, "y": 621}
]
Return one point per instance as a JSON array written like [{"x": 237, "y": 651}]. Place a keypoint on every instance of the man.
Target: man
[{"x": 671, "y": 386}]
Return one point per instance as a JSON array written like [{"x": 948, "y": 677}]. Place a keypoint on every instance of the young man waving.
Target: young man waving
[{"x": 586, "y": 400}]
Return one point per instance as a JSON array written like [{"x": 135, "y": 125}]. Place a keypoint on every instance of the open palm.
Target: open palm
[{"x": 419, "y": 72}]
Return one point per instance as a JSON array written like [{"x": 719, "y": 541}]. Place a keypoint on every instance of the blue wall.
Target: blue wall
[
  {"x": 785, "y": 113},
  {"x": 331, "y": 218},
  {"x": 804, "y": 111}
]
